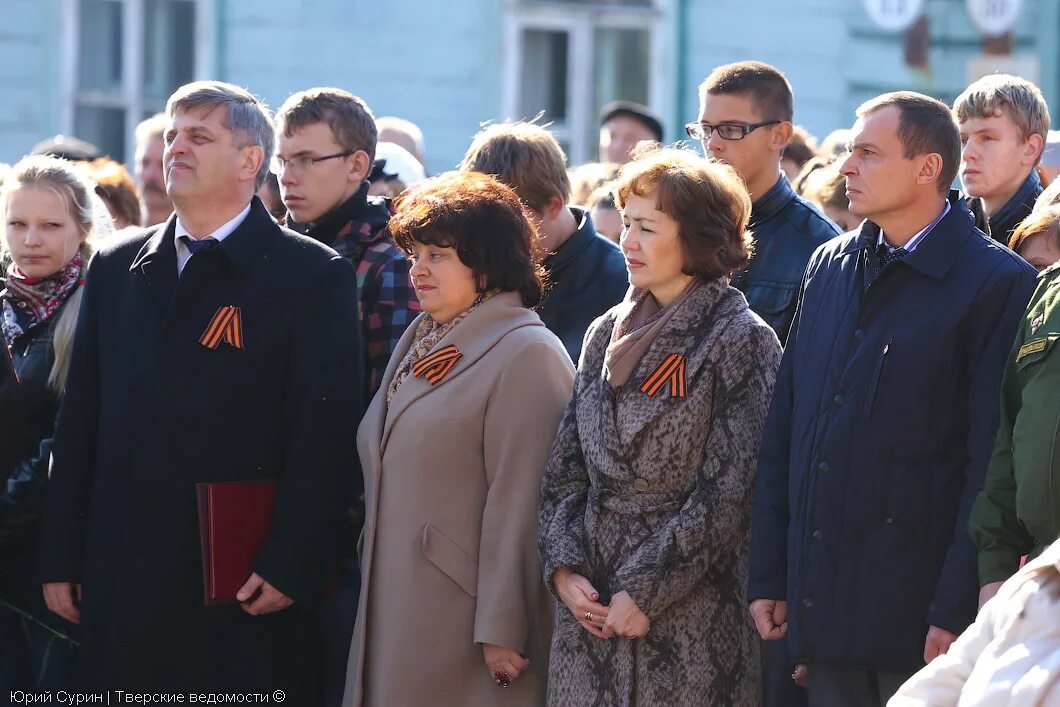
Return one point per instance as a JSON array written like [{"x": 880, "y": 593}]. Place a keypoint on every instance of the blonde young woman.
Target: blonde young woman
[{"x": 50, "y": 215}]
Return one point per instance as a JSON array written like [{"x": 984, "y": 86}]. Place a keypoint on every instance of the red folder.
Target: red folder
[{"x": 235, "y": 520}]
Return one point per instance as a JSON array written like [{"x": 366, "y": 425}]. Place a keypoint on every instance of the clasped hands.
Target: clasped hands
[
  {"x": 621, "y": 618},
  {"x": 256, "y": 596}
]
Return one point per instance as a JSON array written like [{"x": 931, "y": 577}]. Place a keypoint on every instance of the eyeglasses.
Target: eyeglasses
[
  {"x": 727, "y": 131},
  {"x": 302, "y": 163}
]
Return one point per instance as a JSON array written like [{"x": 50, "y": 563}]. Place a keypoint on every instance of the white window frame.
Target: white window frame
[
  {"x": 131, "y": 98},
  {"x": 580, "y": 21}
]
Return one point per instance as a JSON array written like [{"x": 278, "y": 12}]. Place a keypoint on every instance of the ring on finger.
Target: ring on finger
[{"x": 588, "y": 616}]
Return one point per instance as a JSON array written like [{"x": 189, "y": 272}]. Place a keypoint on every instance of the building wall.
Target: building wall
[
  {"x": 806, "y": 40},
  {"x": 439, "y": 64},
  {"x": 29, "y": 75},
  {"x": 876, "y": 63},
  {"x": 435, "y": 63}
]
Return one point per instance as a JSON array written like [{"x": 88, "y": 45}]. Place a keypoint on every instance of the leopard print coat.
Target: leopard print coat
[{"x": 651, "y": 494}]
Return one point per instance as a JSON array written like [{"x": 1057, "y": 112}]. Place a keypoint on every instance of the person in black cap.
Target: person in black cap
[
  {"x": 67, "y": 147},
  {"x": 622, "y": 125}
]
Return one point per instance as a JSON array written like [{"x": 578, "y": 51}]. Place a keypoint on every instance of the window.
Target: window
[
  {"x": 124, "y": 59},
  {"x": 568, "y": 58}
]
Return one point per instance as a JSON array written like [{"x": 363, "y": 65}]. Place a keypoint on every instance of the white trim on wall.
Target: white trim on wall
[
  {"x": 580, "y": 21},
  {"x": 130, "y": 97}
]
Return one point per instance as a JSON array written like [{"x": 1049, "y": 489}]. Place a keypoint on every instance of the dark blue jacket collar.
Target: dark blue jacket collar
[
  {"x": 1016, "y": 208},
  {"x": 935, "y": 254},
  {"x": 576, "y": 244},
  {"x": 770, "y": 204}
]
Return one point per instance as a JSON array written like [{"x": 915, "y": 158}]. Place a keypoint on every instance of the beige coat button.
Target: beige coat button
[{"x": 640, "y": 485}]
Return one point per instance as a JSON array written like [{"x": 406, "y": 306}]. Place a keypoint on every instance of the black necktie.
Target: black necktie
[
  {"x": 195, "y": 246},
  {"x": 886, "y": 256}
]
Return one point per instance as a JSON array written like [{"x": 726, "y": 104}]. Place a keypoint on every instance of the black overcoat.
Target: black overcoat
[{"x": 149, "y": 411}]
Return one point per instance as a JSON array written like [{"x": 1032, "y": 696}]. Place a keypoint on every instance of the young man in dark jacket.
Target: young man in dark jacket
[
  {"x": 1004, "y": 123},
  {"x": 745, "y": 114},
  {"x": 586, "y": 272},
  {"x": 883, "y": 418},
  {"x": 325, "y": 145}
]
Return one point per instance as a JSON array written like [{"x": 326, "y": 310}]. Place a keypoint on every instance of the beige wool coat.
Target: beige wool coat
[{"x": 452, "y": 482}]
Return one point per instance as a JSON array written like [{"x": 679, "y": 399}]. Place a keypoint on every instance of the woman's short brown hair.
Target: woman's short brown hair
[
  {"x": 117, "y": 189},
  {"x": 483, "y": 220},
  {"x": 706, "y": 198},
  {"x": 1046, "y": 220}
]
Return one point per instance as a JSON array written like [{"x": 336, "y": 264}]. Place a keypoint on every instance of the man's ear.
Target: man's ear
[
  {"x": 1032, "y": 150},
  {"x": 930, "y": 169},
  {"x": 253, "y": 158},
  {"x": 360, "y": 167},
  {"x": 554, "y": 206},
  {"x": 781, "y": 135}
]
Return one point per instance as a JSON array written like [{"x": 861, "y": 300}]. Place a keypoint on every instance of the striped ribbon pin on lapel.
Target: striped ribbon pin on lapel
[
  {"x": 672, "y": 371},
  {"x": 226, "y": 326},
  {"x": 436, "y": 366}
]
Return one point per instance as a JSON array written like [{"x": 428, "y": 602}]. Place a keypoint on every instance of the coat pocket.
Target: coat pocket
[
  {"x": 874, "y": 382},
  {"x": 451, "y": 559}
]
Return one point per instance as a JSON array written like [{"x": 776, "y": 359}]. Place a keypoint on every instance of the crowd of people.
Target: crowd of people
[{"x": 765, "y": 423}]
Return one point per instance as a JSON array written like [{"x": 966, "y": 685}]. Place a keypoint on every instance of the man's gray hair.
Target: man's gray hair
[{"x": 245, "y": 115}]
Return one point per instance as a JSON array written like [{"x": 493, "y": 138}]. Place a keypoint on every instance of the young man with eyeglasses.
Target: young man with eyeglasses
[
  {"x": 325, "y": 146},
  {"x": 745, "y": 114}
]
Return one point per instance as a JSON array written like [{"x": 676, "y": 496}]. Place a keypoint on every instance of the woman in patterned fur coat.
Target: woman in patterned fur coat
[{"x": 647, "y": 497}]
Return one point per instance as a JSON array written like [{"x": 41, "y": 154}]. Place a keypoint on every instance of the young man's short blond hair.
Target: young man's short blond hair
[
  {"x": 1009, "y": 95},
  {"x": 524, "y": 156}
]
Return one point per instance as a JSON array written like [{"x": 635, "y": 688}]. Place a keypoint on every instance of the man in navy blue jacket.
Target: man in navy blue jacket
[
  {"x": 745, "y": 114},
  {"x": 883, "y": 418}
]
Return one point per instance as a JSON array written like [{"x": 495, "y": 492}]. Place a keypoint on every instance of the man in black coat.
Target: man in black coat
[{"x": 158, "y": 400}]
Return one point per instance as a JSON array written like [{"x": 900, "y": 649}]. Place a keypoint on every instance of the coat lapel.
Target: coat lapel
[
  {"x": 689, "y": 334},
  {"x": 473, "y": 337},
  {"x": 157, "y": 263}
]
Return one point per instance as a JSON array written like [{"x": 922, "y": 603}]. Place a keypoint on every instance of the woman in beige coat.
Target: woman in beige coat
[{"x": 453, "y": 610}]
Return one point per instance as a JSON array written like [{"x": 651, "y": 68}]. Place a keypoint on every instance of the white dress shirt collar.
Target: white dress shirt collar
[
  {"x": 913, "y": 242},
  {"x": 226, "y": 229}
]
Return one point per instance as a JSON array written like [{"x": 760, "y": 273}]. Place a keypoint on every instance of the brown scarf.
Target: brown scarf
[
  {"x": 635, "y": 332},
  {"x": 428, "y": 334}
]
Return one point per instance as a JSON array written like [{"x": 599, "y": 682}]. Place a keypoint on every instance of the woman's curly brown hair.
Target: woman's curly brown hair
[
  {"x": 707, "y": 199},
  {"x": 483, "y": 220}
]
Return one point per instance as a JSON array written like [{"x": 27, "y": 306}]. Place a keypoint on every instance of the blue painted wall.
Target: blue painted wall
[
  {"x": 439, "y": 63},
  {"x": 435, "y": 63},
  {"x": 806, "y": 40},
  {"x": 29, "y": 75}
]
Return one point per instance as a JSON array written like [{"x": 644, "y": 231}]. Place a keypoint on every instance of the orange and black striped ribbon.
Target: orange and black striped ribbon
[
  {"x": 226, "y": 326},
  {"x": 436, "y": 366},
  {"x": 672, "y": 371}
]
